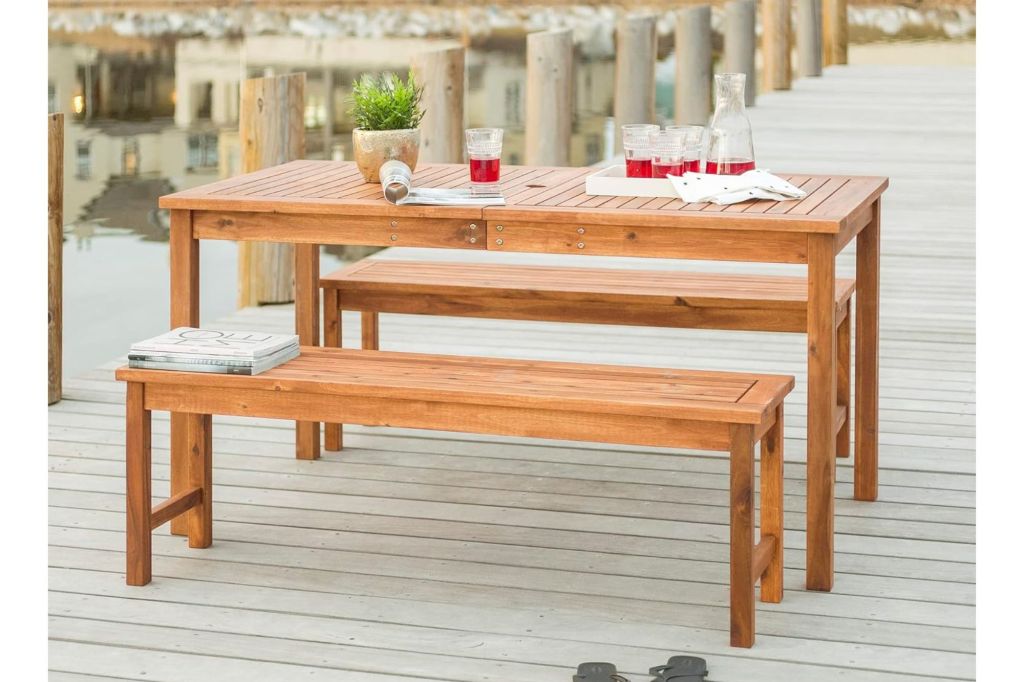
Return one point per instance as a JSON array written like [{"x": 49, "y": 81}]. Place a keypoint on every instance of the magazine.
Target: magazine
[
  {"x": 213, "y": 365},
  {"x": 213, "y": 343},
  {"x": 396, "y": 181}
]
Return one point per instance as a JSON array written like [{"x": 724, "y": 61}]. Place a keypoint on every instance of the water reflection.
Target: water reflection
[{"x": 150, "y": 116}]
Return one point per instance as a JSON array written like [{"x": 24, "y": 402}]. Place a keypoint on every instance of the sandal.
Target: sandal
[
  {"x": 681, "y": 669},
  {"x": 597, "y": 672}
]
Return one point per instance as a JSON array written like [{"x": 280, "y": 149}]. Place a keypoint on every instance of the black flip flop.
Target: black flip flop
[
  {"x": 681, "y": 669},
  {"x": 597, "y": 672}
]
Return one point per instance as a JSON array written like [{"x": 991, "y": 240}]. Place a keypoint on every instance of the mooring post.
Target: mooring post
[
  {"x": 740, "y": 43},
  {"x": 55, "y": 260},
  {"x": 636, "y": 53},
  {"x": 693, "y": 65},
  {"x": 834, "y": 32},
  {"x": 272, "y": 132},
  {"x": 441, "y": 74},
  {"x": 808, "y": 38},
  {"x": 776, "y": 44},
  {"x": 549, "y": 97}
]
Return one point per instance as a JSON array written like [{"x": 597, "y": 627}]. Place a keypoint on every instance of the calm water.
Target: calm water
[{"x": 151, "y": 115}]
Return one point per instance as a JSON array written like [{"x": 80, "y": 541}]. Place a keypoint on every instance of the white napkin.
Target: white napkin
[{"x": 731, "y": 189}]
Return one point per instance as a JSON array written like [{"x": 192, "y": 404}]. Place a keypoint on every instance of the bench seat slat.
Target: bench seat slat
[{"x": 598, "y": 389}]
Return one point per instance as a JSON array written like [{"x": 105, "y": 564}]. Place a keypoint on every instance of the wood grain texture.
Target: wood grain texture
[
  {"x": 808, "y": 38},
  {"x": 821, "y": 396},
  {"x": 772, "y": 506},
  {"x": 184, "y": 255},
  {"x": 332, "y": 339},
  {"x": 776, "y": 44},
  {"x": 741, "y": 536},
  {"x": 272, "y": 131},
  {"x": 200, "y": 476},
  {"x": 636, "y": 53},
  {"x": 55, "y": 255},
  {"x": 307, "y": 326},
  {"x": 866, "y": 395},
  {"x": 588, "y": 295},
  {"x": 693, "y": 65},
  {"x": 549, "y": 97},
  {"x": 442, "y": 74},
  {"x": 741, "y": 43},
  {"x": 835, "y": 33},
  {"x": 138, "y": 493},
  {"x": 843, "y": 378},
  {"x": 370, "y": 329}
]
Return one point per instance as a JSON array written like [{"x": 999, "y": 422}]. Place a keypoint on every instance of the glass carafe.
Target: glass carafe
[{"x": 730, "y": 141}]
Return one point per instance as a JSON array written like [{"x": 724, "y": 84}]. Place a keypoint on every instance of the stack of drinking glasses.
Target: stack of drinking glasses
[{"x": 726, "y": 147}]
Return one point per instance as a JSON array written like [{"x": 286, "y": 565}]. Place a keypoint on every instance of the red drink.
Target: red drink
[
  {"x": 638, "y": 168},
  {"x": 692, "y": 166},
  {"x": 736, "y": 167},
  {"x": 660, "y": 170},
  {"x": 484, "y": 170}
]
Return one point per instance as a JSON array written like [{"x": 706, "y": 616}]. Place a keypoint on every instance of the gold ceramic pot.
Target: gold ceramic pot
[{"x": 373, "y": 147}]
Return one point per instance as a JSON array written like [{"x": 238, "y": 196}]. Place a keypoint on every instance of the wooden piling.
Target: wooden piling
[
  {"x": 808, "y": 38},
  {"x": 776, "y": 44},
  {"x": 549, "y": 97},
  {"x": 442, "y": 75},
  {"x": 55, "y": 243},
  {"x": 636, "y": 53},
  {"x": 834, "y": 32},
  {"x": 272, "y": 131},
  {"x": 740, "y": 41},
  {"x": 693, "y": 65}
]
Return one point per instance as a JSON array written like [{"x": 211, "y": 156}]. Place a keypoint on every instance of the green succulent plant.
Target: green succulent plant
[{"x": 386, "y": 102}]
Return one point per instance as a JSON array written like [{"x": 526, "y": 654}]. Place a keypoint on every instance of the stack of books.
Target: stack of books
[{"x": 187, "y": 349}]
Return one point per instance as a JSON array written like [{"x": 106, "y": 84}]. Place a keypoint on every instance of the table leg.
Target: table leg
[
  {"x": 184, "y": 313},
  {"x": 865, "y": 465},
  {"x": 821, "y": 402},
  {"x": 307, "y": 326}
]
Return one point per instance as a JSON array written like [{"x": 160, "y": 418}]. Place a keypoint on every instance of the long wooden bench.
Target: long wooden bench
[
  {"x": 626, "y": 405},
  {"x": 590, "y": 295}
]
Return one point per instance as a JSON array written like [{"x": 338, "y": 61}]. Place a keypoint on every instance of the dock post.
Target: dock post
[
  {"x": 740, "y": 41},
  {"x": 441, "y": 74},
  {"x": 55, "y": 260},
  {"x": 549, "y": 97},
  {"x": 636, "y": 53},
  {"x": 272, "y": 132},
  {"x": 776, "y": 44},
  {"x": 693, "y": 65},
  {"x": 834, "y": 32},
  {"x": 808, "y": 38}
]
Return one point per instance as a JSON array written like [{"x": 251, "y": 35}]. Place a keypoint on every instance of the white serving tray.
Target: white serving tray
[{"x": 612, "y": 181}]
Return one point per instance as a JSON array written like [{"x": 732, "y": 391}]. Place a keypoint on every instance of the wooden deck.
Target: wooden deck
[{"x": 424, "y": 555}]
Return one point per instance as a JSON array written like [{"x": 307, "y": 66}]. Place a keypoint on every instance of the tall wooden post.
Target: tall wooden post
[
  {"x": 834, "y": 31},
  {"x": 55, "y": 269},
  {"x": 776, "y": 44},
  {"x": 549, "y": 97},
  {"x": 636, "y": 53},
  {"x": 693, "y": 65},
  {"x": 808, "y": 38},
  {"x": 442, "y": 75},
  {"x": 740, "y": 43},
  {"x": 272, "y": 132}
]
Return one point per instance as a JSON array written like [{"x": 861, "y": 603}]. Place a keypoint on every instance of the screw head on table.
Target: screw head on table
[
  {"x": 499, "y": 228},
  {"x": 580, "y": 245},
  {"x": 394, "y": 237},
  {"x": 499, "y": 242}
]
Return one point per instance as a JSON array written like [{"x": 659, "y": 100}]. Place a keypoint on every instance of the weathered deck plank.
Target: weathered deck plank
[{"x": 415, "y": 555}]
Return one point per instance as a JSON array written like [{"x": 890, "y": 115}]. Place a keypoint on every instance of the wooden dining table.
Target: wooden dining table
[{"x": 547, "y": 210}]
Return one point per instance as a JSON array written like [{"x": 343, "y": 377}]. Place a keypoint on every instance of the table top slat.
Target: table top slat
[{"x": 543, "y": 194}]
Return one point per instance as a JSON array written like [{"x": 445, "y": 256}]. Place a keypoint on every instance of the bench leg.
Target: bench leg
[
  {"x": 371, "y": 331},
  {"x": 200, "y": 475},
  {"x": 138, "y": 491},
  {"x": 741, "y": 536},
  {"x": 307, "y": 326},
  {"x": 332, "y": 339},
  {"x": 772, "y": 507},
  {"x": 843, "y": 382}
]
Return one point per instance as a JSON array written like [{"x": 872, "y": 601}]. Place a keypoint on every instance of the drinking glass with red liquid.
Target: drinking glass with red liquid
[
  {"x": 636, "y": 145},
  {"x": 667, "y": 155},
  {"x": 693, "y": 143},
  {"x": 483, "y": 145},
  {"x": 730, "y": 140}
]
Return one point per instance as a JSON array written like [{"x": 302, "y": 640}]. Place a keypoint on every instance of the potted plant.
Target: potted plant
[{"x": 387, "y": 114}]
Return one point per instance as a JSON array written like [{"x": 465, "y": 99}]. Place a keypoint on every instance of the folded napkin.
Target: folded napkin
[{"x": 731, "y": 189}]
